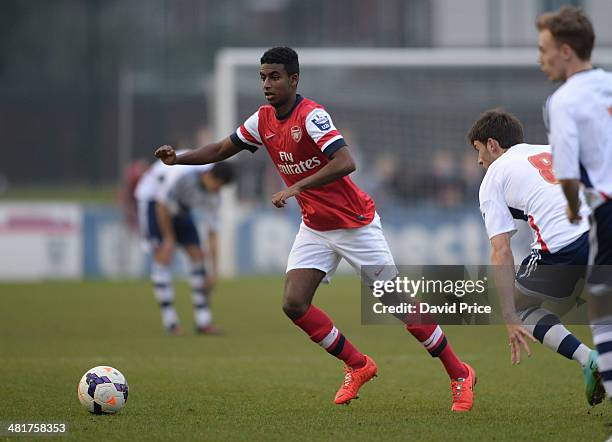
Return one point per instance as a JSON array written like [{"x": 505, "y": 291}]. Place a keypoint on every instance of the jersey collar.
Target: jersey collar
[
  {"x": 583, "y": 71},
  {"x": 298, "y": 100}
]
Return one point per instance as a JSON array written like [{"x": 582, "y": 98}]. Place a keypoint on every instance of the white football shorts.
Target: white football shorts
[{"x": 363, "y": 246}]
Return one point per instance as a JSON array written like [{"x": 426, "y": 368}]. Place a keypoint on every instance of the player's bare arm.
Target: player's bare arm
[
  {"x": 211, "y": 153},
  {"x": 341, "y": 164},
  {"x": 213, "y": 250},
  {"x": 503, "y": 262},
  {"x": 571, "y": 189},
  {"x": 165, "y": 251}
]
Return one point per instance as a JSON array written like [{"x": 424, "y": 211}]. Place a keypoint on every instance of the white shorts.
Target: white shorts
[{"x": 323, "y": 250}]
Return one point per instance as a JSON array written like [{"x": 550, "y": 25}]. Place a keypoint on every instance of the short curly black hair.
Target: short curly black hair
[
  {"x": 499, "y": 125},
  {"x": 285, "y": 56}
]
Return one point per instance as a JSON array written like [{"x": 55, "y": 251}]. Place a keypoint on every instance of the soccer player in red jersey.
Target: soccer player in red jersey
[{"x": 339, "y": 220}]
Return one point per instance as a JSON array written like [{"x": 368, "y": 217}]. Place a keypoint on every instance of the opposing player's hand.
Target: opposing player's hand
[
  {"x": 573, "y": 217},
  {"x": 518, "y": 336},
  {"x": 279, "y": 199},
  {"x": 167, "y": 154}
]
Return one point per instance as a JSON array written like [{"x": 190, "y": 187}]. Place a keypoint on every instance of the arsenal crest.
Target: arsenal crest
[{"x": 296, "y": 133}]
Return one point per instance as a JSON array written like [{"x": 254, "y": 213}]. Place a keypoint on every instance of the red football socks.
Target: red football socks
[
  {"x": 321, "y": 330},
  {"x": 433, "y": 339}
]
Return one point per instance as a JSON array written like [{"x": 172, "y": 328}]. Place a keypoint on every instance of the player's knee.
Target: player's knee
[
  {"x": 195, "y": 253},
  {"x": 295, "y": 309},
  {"x": 522, "y": 302}
]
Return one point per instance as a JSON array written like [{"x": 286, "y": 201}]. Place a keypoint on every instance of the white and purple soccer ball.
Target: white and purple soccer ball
[{"x": 103, "y": 390}]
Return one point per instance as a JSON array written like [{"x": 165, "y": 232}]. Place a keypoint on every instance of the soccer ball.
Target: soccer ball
[{"x": 103, "y": 390}]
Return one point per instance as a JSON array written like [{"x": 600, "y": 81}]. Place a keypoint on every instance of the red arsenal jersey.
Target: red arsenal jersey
[{"x": 300, "y": 143}]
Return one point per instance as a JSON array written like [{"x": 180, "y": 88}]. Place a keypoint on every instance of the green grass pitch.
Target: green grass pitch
[{"x": 264, "y": 380}]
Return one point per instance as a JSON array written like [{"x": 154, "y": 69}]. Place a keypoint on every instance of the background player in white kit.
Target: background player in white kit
[
  {"x": 519, "y": 184},
  {"x": 166, "y": 197},
  {"x": 579, "y": 121}
]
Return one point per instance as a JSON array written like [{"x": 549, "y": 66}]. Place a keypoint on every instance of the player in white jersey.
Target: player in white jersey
[
  {"x": 166, "y": 195},
  {"x": 579, "y": 120},
  {"x": 519, "y": 184}
]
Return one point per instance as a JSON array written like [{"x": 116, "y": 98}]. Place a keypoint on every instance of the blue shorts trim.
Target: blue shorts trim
[
  {"x": 601, "y": 237},
  {"x": 554, "y": 275}
]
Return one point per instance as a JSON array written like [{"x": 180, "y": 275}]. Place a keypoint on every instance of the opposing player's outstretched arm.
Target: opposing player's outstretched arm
[
  {"x": 211, "y": 153},
  {"x": 503, "y": 262},
  {"x": 340, "y": 164},
  {"x": 565, "y": 140},
  {"x": 571, "y": 189}
]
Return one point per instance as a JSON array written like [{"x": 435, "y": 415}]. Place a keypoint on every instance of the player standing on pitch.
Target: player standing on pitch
[
  {"x": 339, "y": 220},
  {"x": 578, "y": 117},
  {"x": 166, "y": 197},
  {"x": 519, "y": 184}
]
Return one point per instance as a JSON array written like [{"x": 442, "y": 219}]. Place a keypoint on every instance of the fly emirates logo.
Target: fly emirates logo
[{"x": 288, "y": 167}]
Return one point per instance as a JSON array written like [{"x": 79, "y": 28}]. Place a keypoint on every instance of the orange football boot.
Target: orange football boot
[
  {"x": 354, "y": 378},
  {"x": 463, "y": 391}
]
